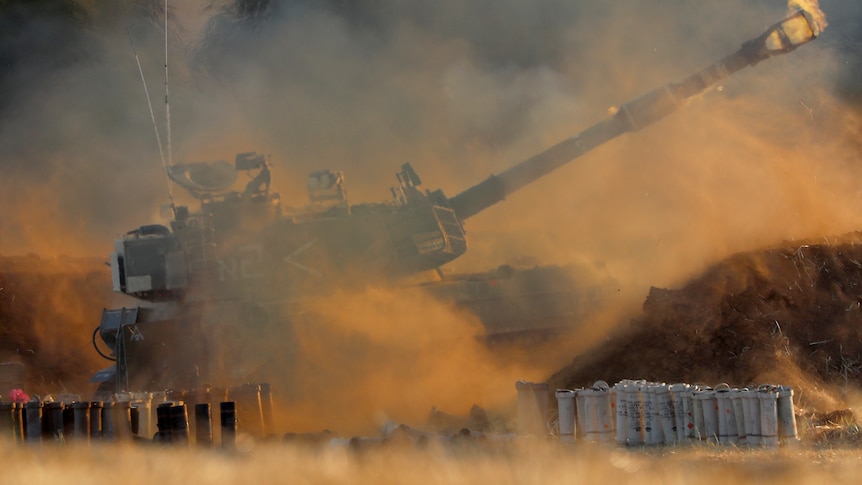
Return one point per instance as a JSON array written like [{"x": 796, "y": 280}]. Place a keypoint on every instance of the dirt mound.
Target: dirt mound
[
  {"x": 48, "y": 310},
  {"x": 788, "y": 315}
]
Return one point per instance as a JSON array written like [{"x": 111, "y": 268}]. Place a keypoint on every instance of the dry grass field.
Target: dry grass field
[{"x": 521, "y": 462}]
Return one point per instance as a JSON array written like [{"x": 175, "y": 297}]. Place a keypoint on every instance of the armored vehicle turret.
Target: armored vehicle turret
[{"x": 241, "y": 259}]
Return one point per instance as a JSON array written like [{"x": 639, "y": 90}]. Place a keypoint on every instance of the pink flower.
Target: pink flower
[{"x": 18, "y": 395}]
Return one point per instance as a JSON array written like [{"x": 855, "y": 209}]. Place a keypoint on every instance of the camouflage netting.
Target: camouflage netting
[{"x": 788, "y": 315}]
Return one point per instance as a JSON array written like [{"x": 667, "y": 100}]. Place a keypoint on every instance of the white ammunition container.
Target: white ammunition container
[
  {"x": 666, "y": 414},
  {"x": 532, "y": 408},
  {"x": 580, "y": 414},
  {"x": 635, "y": 414},
  {"x": 594, "y": 405},
  {"x": 697, "y": 415},
  {"x": 688, "y": 408},
  {"x": 709, "y": 409},
  {"x": 652, "y": 422},
  {"x": 622, "y": 413},
  {"x": 727, "y": 434},
  {"x": 786, "y": 417},
  {"x": 768, "y": 398},
  {"x": 566, "y": 412},
  {"x": 751, "y": 414},
  {"x": 736, "y": 397},
  {"x": 681, "y": 412}
]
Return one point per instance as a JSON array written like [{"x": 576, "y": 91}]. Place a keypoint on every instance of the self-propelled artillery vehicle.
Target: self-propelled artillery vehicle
[{"x": 221, "y": 280}]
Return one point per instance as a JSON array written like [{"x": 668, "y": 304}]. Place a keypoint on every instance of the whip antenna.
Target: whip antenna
[
  {"x": 167, "y": 104},
  {"x": 150, "y": 106}
]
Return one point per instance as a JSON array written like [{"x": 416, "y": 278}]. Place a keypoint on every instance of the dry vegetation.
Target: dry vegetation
[{"x": 521, "y": 463}]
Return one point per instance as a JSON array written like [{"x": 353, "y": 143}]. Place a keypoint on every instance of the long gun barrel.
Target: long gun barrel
[{"x": 785, "y": 36}]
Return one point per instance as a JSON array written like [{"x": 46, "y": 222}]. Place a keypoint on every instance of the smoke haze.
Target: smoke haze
[{"x": 461, "y": 91}]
